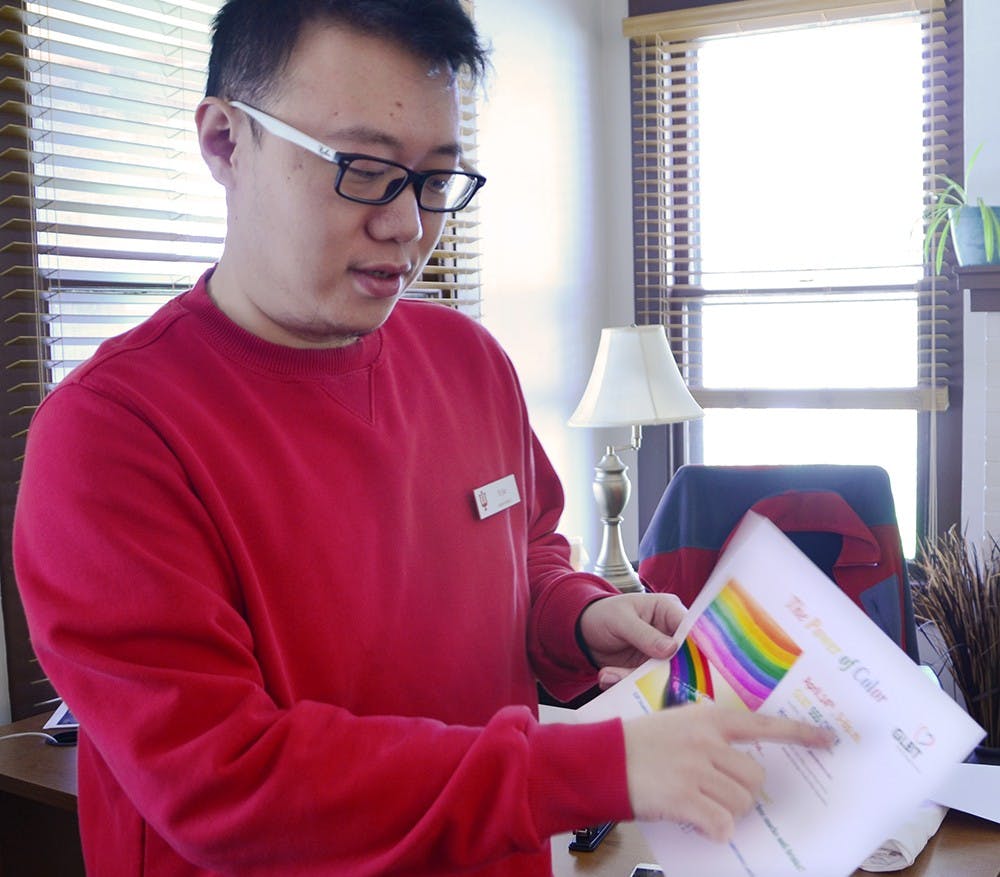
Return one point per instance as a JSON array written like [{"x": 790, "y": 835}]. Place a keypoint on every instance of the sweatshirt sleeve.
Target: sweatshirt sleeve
[
  {"x": 135, "y": 616},
  {"x": 559, "y": 594}
]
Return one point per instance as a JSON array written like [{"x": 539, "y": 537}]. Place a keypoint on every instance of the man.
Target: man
[{"x": 258, "y": 575}]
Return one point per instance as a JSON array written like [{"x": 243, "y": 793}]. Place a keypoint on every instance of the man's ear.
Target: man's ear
[{"x": 215, "y": 121}]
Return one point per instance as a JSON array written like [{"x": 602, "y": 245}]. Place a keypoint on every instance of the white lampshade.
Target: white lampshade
[{"x": 635, "y": 382}]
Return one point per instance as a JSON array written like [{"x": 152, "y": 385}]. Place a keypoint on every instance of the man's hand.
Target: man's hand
[
  {"x": 623, "y": 631},
  {"x": 682, "y": 767}
]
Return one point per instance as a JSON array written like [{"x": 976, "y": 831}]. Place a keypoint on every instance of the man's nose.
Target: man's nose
[{"x": 400, "y": 219}]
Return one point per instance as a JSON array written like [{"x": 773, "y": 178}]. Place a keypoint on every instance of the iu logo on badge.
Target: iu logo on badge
[{"x": 496, "y": 496}]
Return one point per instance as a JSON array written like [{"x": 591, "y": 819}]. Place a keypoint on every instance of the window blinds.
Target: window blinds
[
  {"x": 107, "y": 210},
  {"x": 746, "y": 16},
  {"x": 123, "y": 212}
]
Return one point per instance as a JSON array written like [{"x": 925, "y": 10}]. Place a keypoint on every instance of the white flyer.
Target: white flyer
[{"x": 770, "y": 632}]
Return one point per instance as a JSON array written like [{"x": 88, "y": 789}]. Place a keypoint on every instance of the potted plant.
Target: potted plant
[
  {"x": 956, "y": 590},
  {"x": 974, "y": 230}
]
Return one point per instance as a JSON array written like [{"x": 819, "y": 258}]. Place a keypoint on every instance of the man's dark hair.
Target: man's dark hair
[{"x": 254, "y": 39}]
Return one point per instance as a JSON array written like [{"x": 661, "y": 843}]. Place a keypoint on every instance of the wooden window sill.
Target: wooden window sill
[{"x": 983, "y": 283}]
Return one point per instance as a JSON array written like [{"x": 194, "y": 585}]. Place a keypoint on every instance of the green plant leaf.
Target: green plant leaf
[
  {"x": 936, "y": 239},
  {"x": 991, "y": 230},
  {"x": 938, "y": 221}
]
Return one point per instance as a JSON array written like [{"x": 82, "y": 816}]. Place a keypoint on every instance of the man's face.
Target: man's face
[{"x": 304, "y": 266}]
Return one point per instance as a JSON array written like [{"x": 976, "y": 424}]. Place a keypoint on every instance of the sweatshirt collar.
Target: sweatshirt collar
[{"x": 247, "y": 348}]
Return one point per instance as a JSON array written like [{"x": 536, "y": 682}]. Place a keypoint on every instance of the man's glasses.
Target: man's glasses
[{"x": 370, "y": 180}]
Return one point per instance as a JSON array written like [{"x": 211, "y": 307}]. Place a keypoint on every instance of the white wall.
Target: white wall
[
  {"x": 981, "y": 415},
  {"x": 556, "y": 216}
]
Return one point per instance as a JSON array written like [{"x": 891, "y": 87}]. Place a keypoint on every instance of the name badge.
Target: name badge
[{"x": 496, "y": 496}]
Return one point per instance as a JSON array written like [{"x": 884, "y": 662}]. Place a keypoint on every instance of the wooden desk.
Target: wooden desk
[
  {"x": 964, "y": 846},
  {"x": 39, "y": 833}
]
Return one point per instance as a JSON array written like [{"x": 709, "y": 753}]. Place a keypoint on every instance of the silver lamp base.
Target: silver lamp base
[{"x": 612, "y": 490}]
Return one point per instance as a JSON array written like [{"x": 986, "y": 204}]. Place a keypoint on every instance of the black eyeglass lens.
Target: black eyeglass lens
[
  {"x": 444, "y": 191},
  {"x": 378, "y": 182},
  {"x": 370, "y": 180}
]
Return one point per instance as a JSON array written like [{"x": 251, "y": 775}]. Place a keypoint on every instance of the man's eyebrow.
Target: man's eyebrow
[{"x": 367, "y": 136}]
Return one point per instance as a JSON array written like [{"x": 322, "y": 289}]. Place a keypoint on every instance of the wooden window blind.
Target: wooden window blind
[
  {"x": 107, "y": 211},
  {"x": 667, "y": 150}
]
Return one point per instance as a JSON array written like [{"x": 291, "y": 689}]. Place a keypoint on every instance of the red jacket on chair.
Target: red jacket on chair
[{"x": 842, "y": 517}]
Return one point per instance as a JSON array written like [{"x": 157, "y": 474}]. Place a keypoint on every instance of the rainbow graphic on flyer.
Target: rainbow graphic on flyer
[
  {"x": 744, "y": 644},
  {"x": 685, "y": 678},
  {"x": 690, "y": 676}
]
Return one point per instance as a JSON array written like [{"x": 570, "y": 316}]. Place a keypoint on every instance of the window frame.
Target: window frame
[{"x": 939, "y": 433}]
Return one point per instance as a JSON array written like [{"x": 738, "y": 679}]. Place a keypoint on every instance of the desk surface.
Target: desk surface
[
  {"x": 30, "y": 768},
  {"x": 964, "y": 846}
]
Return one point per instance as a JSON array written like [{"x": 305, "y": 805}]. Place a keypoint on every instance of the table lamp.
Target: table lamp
[{"x": 635, "y": 382}]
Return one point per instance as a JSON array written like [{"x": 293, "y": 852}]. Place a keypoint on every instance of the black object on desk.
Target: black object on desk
[
  {"x": 586, "y": 840},
  {"x": 63, "y": 738}
]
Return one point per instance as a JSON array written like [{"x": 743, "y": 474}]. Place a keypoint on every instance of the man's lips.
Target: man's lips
[{"x": 381, "y": 281}]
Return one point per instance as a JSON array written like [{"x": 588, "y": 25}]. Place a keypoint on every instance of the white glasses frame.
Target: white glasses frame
[{"x": 343, "y": 160}]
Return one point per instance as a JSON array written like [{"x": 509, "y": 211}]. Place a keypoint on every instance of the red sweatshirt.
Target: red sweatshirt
[{"x": 257, "y": 576}]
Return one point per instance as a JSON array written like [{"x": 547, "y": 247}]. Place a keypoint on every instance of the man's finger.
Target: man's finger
[
  {"x": 609, "y": 676},
  {"x": 733, "y": 795},
  {"x": 742, "y": 768},
  {"x": 743, "y": 727},
  {"x": 646, "y": 638},
  {"x": 669, "y": 611},
  {"x": 710, "y": 818}
]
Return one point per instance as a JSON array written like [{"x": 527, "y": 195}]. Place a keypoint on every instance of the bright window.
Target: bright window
[
  {"x": 782, "y": 163},
  {"x": 836, "y": 134}
]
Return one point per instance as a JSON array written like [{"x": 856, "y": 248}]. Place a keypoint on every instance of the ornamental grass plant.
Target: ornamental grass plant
[{"x": 957, "y": 589}]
